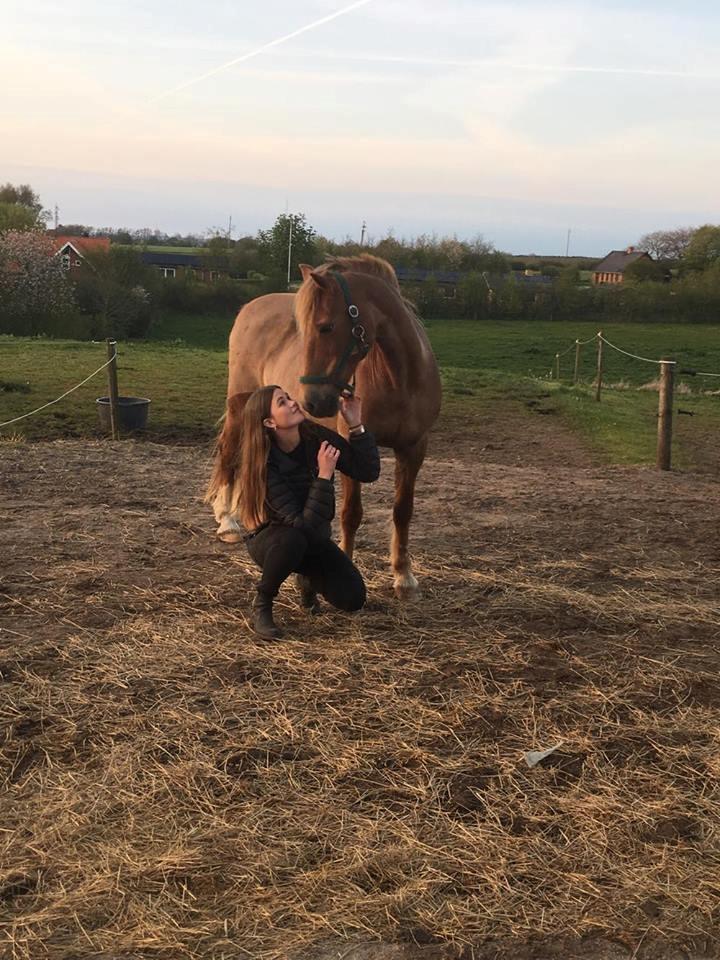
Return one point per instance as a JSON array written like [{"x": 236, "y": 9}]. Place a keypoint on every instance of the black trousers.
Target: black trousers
[{"x": 280, "y": 551}]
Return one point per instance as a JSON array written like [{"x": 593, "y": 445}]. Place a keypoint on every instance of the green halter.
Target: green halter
[{"x": 357, "y": 344}]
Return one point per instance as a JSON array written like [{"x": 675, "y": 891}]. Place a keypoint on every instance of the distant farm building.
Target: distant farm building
[
  {"x": 173, "y": 265},
  {"x": 612, "y": 269},
  {"x": 449, "y": 280},
  {"x": 74, "y": 251}
]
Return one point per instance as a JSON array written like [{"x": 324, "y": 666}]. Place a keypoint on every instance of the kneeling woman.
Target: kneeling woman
[{"x": 287, "y": 500}]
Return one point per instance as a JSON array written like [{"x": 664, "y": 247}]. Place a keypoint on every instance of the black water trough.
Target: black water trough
[{"x": 132, "y": 412}]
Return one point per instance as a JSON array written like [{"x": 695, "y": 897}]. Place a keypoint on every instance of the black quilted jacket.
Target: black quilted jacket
[{"x": 296, "y": 496}]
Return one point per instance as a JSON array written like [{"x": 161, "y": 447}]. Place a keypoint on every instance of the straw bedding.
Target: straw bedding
[{"x": 176, "y": 788}]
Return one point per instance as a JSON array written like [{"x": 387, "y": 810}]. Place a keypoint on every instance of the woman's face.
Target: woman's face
[{"x": 285, "y": 413}]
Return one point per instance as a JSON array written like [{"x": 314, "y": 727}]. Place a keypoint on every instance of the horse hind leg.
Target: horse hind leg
[
  {"x": 407, "y": 467},
  {"x": 352, "y": 514},
  {"x": 224, "y": 476}
]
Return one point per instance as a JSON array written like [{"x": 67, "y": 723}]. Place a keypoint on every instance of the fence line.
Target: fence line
[
  {"x": 62, "y": 397},
  {"x": 633, "y": 355},
  {"x": 668, "y": 368},
  {"x": 697, "y": 373}
]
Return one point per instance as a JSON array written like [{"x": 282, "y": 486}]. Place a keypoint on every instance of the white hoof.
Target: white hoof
[
  {"x": 406, "y": 587},
  {"x": 229, "y": 531}
]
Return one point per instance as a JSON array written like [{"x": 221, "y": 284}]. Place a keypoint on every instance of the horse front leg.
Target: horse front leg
[
  {"x": 407, "y": 466},
  {"x": 352, "y": 513},
  {"x": 224, "y": 476}
]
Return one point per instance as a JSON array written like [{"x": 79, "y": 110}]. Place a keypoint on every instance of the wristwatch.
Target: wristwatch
[{"x": 357, "y": 431}]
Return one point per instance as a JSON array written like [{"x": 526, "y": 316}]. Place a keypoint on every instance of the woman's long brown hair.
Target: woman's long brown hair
[{"x": 250, "y": 492}]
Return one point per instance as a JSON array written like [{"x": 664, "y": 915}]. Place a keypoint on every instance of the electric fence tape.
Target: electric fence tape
[{"x": 62, "y": 397}]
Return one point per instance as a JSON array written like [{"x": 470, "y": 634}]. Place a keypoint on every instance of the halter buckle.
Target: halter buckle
[{"x": 358, "y": 331}]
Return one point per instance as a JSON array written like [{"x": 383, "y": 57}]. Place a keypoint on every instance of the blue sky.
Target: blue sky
[{"x": 514, "y": 120}]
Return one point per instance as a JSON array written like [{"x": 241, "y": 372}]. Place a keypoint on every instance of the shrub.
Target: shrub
[{"x": 35, "y": 295}]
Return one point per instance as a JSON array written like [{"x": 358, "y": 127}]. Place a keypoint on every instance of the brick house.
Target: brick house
[
  {"x": 73, "y": 251},
  {"x": 612, "y": 269}
]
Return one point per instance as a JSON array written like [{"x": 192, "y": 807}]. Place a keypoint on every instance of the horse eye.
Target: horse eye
[{"x": 326, "y": 327}]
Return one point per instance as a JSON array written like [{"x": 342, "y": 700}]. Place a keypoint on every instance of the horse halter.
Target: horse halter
[{"x": 357, "y": 345}]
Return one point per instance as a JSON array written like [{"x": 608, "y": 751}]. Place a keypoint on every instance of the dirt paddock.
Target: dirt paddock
[{"x": 175, "y": 788}]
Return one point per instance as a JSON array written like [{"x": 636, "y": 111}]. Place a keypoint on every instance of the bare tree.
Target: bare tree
[{"x": 666, "y": 244}]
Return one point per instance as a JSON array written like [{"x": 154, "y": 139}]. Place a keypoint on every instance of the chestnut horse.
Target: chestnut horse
[{"x": 348, "y": 323}]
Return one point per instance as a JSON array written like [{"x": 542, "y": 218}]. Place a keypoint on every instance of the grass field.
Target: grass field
[{"x": 182, "y": 368}]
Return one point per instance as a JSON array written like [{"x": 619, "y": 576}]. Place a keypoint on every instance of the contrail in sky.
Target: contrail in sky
[
  {"x": 262, "y": 49},
  {"x": 512, "y": 65}
]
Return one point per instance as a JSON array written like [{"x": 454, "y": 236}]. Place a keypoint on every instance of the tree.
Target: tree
[
  {"x": 704, "y": 249},
  {"x": 24, "y": 196},
  {"x": 475, "y": 294},
  {"x": 275, "y": 243},
  {"x": 429, "y": 298},
  {"x": 642, "y": 271},
  {"x": 74, "y": 230},
  {"x": 115, "y": 290},
  {"x": 20, "y": 208},
  {"x": 391, "y": 249},
  {"x": 35, "y": 296},
  {"x": 14, "y": 216},
  {"x": 666, "y": 244}
]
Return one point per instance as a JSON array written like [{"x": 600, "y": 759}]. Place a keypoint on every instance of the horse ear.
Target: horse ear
[{"x": 309, "y": 273}]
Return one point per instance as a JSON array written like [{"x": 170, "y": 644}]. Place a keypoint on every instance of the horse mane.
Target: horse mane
[
  {"x": 308, "y": 296},
  {"x": 362, "y": 263}
]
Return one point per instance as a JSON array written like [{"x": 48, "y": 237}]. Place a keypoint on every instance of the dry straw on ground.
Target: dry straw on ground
[{"x": 178, "y": 789}]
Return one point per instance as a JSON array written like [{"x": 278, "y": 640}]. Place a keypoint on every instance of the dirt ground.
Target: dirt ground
[{"x": 176, "y": 788}]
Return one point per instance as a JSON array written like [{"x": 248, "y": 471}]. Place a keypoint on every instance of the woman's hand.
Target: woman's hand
[
  {"x": 351, "y": 410},
  {"x": 327, "y": 459}
]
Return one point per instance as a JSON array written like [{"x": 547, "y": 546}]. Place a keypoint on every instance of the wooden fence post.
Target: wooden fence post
[
  {"x": 599, "y": 365},
  {"x": 113, "y": 389},
  {"x": 665, "y": 401},
  {"x": 557, "y": 366},
  {"x": 577, "y": 362}
]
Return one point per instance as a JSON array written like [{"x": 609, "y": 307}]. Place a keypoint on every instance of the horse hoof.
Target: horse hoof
[
  {"x": 406, "y": 588},
  {"x": 230, "y": 536}
]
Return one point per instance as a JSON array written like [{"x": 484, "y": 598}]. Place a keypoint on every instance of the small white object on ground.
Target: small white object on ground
[{"x": 535, "y": 756}]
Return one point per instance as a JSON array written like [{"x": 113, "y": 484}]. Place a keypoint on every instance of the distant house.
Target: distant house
[
  {"x": 612, "y": 269},
  {"x": 448, "y": 280},
  {"x": 73, "y": 251},
  {"x": 173, "y": 265}
]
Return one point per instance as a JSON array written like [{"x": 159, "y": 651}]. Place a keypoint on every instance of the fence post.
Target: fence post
[
  {"x": 599, "y": 365},
  {"x": 113, "y": 389},
  {"x": 665, "y": 401},
  {"x": 557, "y": 366},
  {"x": 577, "y": 363}
]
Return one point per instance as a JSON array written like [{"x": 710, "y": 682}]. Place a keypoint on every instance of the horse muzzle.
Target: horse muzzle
[{"x": 321, "y": 402}]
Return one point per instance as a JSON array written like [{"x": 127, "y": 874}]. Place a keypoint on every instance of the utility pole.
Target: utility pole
[
  {"x": 56, "y": 216},
  {"x": 567, "y": 245},
  {"x": 230, "y": 228},
  {"x": 289, "y": 249},
  {"x": 362, "y": 234}
]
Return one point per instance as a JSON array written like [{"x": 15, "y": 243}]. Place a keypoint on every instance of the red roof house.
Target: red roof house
[{"x": 73, "y": 251}]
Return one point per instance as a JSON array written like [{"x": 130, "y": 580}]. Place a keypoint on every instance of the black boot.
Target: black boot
[
  {"x": 263, "y": 623},
  {"x": 308, "y": 597}
]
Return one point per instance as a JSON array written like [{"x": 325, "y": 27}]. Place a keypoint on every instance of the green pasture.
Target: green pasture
[{"x": 182, "y": 368}]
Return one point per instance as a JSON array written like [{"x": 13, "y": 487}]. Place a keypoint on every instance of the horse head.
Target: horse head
[{"x": 337, "y": 333}]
